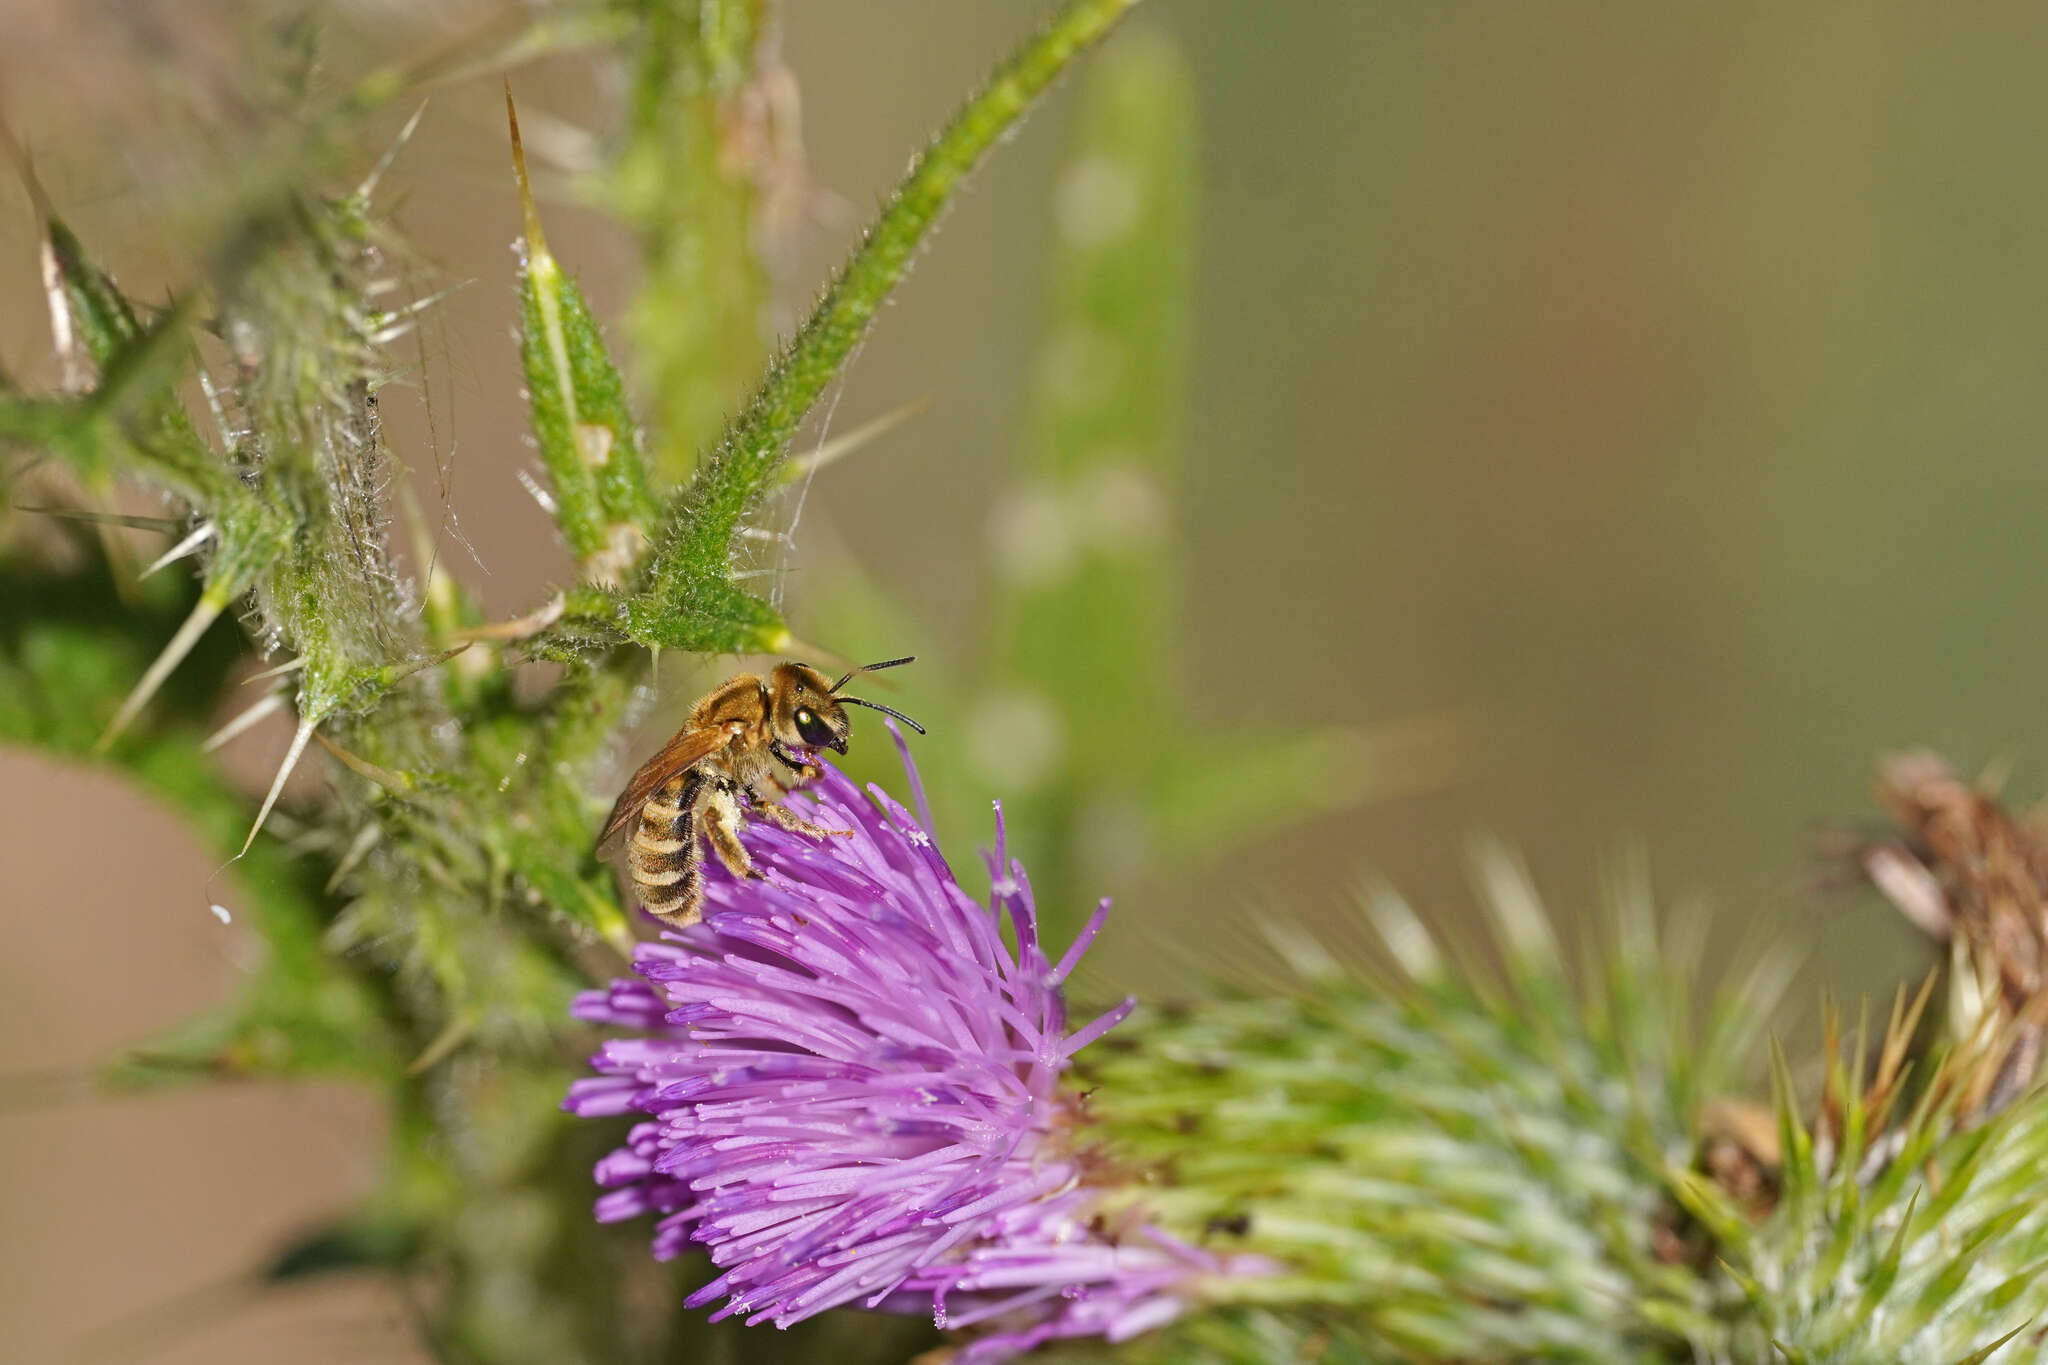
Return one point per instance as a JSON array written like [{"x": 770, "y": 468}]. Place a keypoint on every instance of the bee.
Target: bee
[{"x": 753, "y": 737}]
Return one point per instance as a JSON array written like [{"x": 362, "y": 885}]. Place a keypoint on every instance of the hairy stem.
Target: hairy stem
[{"x": 675, "y": 586}]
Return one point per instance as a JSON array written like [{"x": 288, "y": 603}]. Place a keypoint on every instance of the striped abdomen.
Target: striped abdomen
[{"x": 663, "y": 852}]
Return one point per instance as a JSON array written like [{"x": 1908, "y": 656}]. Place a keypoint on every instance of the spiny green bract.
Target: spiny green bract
[
  {"x": 1443, "y": 1170},
  {"x": 1928, "y": 1246},
  {"x": 1440, "y": 1169}
]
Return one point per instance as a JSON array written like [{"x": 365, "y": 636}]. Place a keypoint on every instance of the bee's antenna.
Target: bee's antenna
[
  {"x": 877, "y": 668},
  {"x": 886, "y": 710}
]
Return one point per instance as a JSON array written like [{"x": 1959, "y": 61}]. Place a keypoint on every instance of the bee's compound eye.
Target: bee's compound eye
[{"x": 816, "y": 733}]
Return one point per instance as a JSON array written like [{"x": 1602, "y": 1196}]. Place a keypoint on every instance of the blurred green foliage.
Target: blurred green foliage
[{"x": 684, "y": 179}]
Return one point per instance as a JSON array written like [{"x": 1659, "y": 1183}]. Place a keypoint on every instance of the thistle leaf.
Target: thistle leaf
[{"x": 577, "y": 404}]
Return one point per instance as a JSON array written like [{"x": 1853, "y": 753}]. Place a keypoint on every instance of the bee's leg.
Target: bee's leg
[
  {"x": 767, "y": 792},
  {"x": 721, "y": 808},
  {"x": 778, "y": 814},
  {"x": 800, "y": 773}
]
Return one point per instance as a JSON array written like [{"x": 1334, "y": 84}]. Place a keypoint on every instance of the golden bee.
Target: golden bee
[{"x": 753, "y": 737}]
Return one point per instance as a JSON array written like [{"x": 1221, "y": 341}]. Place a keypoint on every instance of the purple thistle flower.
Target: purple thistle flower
[{"x": 853, "y": 1085}]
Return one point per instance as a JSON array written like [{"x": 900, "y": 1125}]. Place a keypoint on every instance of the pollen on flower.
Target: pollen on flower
[{"x": 851, "y": 1084}]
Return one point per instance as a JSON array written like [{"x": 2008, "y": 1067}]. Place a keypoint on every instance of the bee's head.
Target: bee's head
[{"x": 806, "y": 712}]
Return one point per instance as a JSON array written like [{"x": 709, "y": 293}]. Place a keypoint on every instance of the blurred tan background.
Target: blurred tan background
[{"x": 1660, "y": 387}]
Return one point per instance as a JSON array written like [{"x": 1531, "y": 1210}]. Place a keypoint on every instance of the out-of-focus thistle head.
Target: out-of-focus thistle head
[{"x": 854, "y": 1094}]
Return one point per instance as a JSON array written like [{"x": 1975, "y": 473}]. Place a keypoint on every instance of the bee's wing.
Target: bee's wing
[{"x": 689, "y": 747}]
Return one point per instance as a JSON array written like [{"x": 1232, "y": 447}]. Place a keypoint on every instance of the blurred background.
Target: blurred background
[{"x": 1625, "y": 422}]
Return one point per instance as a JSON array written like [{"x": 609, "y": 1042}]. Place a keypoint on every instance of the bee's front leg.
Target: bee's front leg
[
  {"x": 800, "y": 772},
  {"x": 778, "y": 814}
]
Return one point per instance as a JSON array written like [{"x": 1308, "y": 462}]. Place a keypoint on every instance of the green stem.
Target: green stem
[
  {"x": 690, "y": 563},
  {"x": 695, "y": 321}
]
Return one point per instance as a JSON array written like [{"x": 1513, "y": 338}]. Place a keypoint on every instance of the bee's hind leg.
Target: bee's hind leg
[{"x": 722, "y": 827}]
